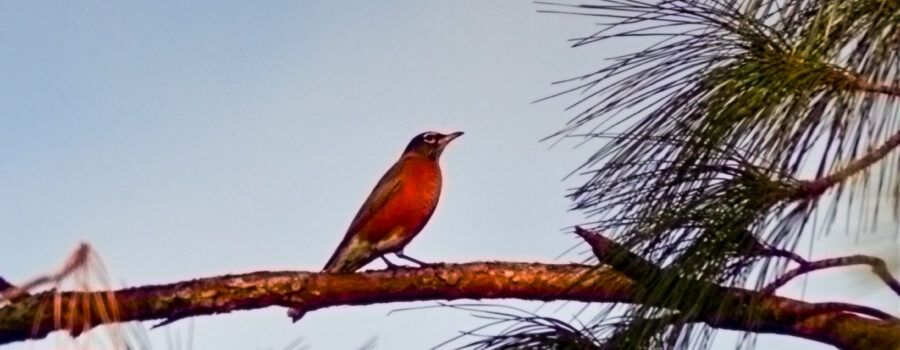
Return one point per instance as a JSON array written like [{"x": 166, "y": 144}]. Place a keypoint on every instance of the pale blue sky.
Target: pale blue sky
[{"x": 189, "y": 139}]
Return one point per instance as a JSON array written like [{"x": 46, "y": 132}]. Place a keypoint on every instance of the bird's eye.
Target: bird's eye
[{"x": 429, "y": 138}]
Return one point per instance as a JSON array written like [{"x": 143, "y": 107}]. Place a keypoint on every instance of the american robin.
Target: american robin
[{"x": 397, "y": 209}]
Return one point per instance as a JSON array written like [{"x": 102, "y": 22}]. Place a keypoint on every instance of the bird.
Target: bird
[{"x": 398, "y": 208}]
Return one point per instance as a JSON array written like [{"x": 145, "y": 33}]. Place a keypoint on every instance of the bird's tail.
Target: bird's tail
[
  {"x": 349, "y": 257},
  {"x": 346, "y": 263}
]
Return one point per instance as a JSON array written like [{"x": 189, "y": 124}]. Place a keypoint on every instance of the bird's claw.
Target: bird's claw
[{"x": 390, "y": 265}]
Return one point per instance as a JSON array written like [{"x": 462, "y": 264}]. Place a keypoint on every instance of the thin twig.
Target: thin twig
[
  {"x": 782, "y": 253},
  {"x": 620, "y": 258},
  {"x": 818, "y": 186},
  {"x": 78, "y": 259},
  {"x": 864, "y": 85},
  {"x": 878, "y": 267}
]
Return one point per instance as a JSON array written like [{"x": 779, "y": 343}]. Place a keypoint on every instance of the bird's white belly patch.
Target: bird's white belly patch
[{"x": 393, "y": 241}]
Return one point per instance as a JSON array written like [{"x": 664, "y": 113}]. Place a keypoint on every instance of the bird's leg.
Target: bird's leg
[
  {"x": 411, "y": 259},
  {"x": 390, "y": 265}
]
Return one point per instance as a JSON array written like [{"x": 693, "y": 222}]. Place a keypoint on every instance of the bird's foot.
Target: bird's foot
[
  {"x": 390, "y": 265},
  {"x": 421, "y": 264}
]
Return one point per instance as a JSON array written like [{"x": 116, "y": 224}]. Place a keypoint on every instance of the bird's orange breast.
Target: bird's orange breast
[{"x": 408, "y": 209}]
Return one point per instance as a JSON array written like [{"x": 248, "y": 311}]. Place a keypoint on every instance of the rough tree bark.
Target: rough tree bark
[{"x": 32, "y": 317}]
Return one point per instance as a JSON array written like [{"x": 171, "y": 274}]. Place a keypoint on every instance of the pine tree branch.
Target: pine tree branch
[
  {"x": 34, "y": 317},
  {"x": 781, "y": 253},
  {"x": 867, "y": 86},
  {"x": 878, "y": 267},
  {"x": 841, "y": 78},
  {"x": 647, "y": 274},
  {"x": 813, "y": 188},
  {"x": 37, "y": 315}
]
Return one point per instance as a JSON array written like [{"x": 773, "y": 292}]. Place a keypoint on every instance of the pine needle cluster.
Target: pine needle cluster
[{"x": 721, "y": 137}]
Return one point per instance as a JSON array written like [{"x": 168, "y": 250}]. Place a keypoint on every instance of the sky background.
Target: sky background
[{"x": 187, "y": 139}]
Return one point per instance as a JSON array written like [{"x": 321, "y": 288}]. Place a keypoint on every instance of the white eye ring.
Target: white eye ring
[{"x": 430, "y": 138}]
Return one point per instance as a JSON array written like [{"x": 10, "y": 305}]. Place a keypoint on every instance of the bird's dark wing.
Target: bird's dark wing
[{"x": 388, "y": 184}]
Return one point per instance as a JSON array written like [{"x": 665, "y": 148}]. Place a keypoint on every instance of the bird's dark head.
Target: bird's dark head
[{"x": 430, "y": 143}]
